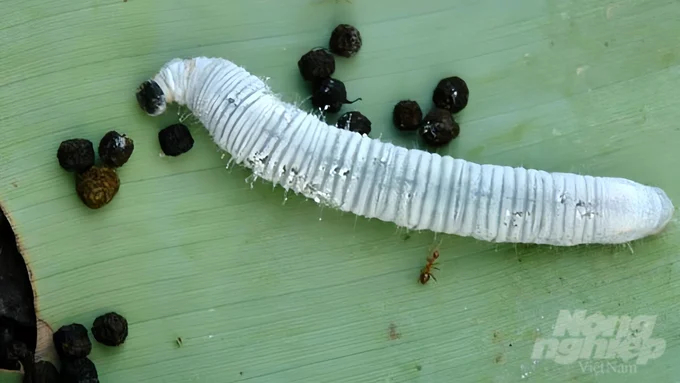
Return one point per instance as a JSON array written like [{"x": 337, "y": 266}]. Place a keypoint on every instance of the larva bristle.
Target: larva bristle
[
  {"x": 630, "y": 247},
  {"x": 230, "y": 163},
  {"x": 183, "y": 117}
]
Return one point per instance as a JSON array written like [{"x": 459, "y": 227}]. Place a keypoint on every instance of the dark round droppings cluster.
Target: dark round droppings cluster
[
  {"x": 175, "y": 139},
  {"x": 345, "y": 40},
  {"x": 81, "y": 370},
  {"x": 438, "y": 127},
  {"x": 355, "y": 122},
  {"x": 316, "y": 64},
  {"x": 150, "y": 98},
  {"x": 452, "y": 94},
  {"x": 329, "y": 95},
  {"x": 317, "y": 67},
  {"x": 110, "y": 329},
  {"x": 73, "y": 347},
  {"x": 97, "y": 186},
  {"x": 72, "y": 342},
  {"x": 115, "y": 149},
  {"x": 45, "y": 372},
  {"x": 76, "y": 155},
  {"x": 407, "y": 115}
]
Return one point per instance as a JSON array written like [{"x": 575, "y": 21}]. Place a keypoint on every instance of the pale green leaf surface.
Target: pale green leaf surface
[{"x": 262, "y": 291}]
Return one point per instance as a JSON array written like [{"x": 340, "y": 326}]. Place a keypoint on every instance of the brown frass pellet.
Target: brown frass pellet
[
  {"x": 81, "y": 370},
  {"x": 76, "y": 155},
  {"x": 115, "y": 149},
  {"x": 354, "y": 122},
  {"x": 329, "y": 95},
  {"x": 452, "y": 94},
  {"x": 72, "y": 342},
  {"x": 110, "y": 329},
  {"x": 45, "y": 372},
  {"x": 97, "y": 186},
  {"x": 438, "y": 127},
  {"x": 316, "y": 64},
  {"x": 175, "y": 139},
  {"x": 407, "y": 115},
  {"x": 345, "y": 40}
]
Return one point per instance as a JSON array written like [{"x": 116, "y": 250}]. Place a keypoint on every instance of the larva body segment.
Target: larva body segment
[{"x": 411, "y": 188}]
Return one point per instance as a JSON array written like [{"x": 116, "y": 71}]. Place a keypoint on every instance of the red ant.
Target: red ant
[{"x": 426, "y": 272}]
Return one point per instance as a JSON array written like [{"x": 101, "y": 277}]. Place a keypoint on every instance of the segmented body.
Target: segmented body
[
  {"x": 426, "y": 272},
  {"x": 411, "y": 188}
]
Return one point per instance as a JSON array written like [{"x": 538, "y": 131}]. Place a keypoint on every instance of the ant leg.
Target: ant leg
[{"x": 436, "y": 247}]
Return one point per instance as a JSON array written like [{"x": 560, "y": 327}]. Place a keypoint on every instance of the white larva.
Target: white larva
[{"x": 412, "y": 188}]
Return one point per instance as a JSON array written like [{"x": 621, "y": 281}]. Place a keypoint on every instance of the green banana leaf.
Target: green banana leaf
[{"x": 260, "y": 290}]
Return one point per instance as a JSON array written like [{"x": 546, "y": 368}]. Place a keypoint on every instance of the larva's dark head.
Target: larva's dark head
[{"x": 151, "y": 98}]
